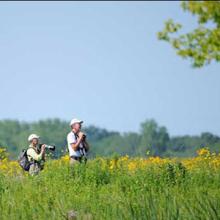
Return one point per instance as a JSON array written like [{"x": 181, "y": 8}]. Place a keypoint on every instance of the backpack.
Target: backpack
[{"x": 23, "y": 160}]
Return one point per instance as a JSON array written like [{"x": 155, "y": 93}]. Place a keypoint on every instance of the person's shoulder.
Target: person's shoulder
[
  {"x": 71, "y": 138},
  {"x": 30, "y": 150},
  {"x": 71, "y": 135}
]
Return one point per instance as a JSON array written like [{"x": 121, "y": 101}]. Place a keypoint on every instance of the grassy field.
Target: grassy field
[{"x": 114, "y": 188}]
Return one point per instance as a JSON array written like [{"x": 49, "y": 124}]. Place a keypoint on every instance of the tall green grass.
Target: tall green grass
[{"x": 158, "y": 192}]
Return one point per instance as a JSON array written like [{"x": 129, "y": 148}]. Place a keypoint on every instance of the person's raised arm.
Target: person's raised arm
[
  {"x": 32, "y": 153},
  {"x": 75, "y": 146}
]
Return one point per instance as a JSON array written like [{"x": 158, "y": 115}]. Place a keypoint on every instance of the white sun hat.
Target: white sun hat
[
  {"x": 32, "y": 136},
  {"x": 75, "y": 120}
]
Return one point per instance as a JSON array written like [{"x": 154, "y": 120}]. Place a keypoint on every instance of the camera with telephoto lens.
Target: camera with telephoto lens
[
  {"x": 84, "y": 136},
  {"x": 49, "y": 147}
]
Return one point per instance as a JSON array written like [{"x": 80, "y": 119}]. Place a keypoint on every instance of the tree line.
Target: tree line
[{"x": 151, "y": 139}]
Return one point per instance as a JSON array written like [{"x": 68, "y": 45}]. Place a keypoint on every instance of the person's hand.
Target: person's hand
[
  {"x": 43, "y": 148},
  {"x": 81, "y": 135}
]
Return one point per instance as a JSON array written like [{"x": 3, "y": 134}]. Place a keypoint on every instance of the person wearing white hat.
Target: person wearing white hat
[
  {"x": 77, "y": 144},
  {"x": 35, "y": 156}
]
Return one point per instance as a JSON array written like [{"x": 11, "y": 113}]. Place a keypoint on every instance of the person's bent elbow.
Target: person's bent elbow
[{"x": 39, "y": 157}]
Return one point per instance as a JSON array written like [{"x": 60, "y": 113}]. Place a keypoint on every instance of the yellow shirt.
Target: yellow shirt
[{"x": 33, "y": 155}]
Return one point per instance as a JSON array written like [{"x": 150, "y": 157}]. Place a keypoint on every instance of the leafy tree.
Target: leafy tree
[
  {"x": 109, "y": 146},
  {"x": 184, "y": 145},
  {"x": 95, "y": 133},
  {"x": 202, "y": 45},
  {"x": 116, "y": 143},
  {"x": 13, "y": 137},
  {"x": 209, "y": 138},
  {"x": 132, "y": 141},
  {"x": 153, "y": 138}
]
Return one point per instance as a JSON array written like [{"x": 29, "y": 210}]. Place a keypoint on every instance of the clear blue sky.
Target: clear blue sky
[{"x": 102, "y": 62}]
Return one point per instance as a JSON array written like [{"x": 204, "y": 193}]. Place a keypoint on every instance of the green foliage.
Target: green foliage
[
  {"x": 201, "y": 45},
  {"x": 3, "y": 154},
  {"x": 14, "y": 134},
  {"x": 94, "y": 192},
  {"x": 152, "y": 138}
]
